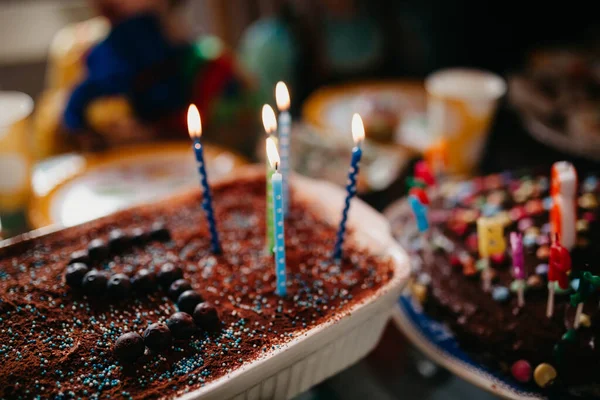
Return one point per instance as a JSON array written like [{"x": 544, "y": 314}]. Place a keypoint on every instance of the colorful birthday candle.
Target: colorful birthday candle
[
  {"x": 195, "y": 131},
  {"x": 563, "y": 214},
  {"x": 282, "y": 97},
  {"x": 419, "y": 210},
  {"x": 516, "y": 244},
  {"x": 491, "y": 242},
  {"x": 423, "y": 173},
  {"x": 559, "y": 265},
  {"x": 279, "y": 235},
  {"x": 270, "y": 124},
  {"x": 358, "y": 133}
]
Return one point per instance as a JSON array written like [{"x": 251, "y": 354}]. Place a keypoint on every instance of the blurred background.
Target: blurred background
[{"x": 93, "y": 95}]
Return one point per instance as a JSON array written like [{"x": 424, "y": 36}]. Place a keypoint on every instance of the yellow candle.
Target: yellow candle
[{"x": 490, "y": 236}]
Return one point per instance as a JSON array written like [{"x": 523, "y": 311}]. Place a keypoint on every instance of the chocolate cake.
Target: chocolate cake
[
  {"x": 74, "y": 304},
  {"x": 491, "y": 325}
]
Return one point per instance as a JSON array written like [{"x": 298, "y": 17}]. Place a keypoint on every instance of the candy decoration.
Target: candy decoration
[
  {"x": 358, "y": 133},
  {"x": 516, "y": 244},
  {"x": 563, "y": 213},
  {"x": 490, "y": 235},
  {"x": 500, "y": 294},
  {"x": 559, "y": 264},
  {"x": 521, "y": 371},
  {"x": 588, "y": 284},
  {"x": 544, "y": 375}
]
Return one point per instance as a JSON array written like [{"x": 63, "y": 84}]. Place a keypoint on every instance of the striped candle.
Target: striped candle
[
  {"x": 282, "y": 97},
  {"x": 195, "y": 131},
  {"x": 279, "y": 235},
  {"x": 358, "y": 132}
]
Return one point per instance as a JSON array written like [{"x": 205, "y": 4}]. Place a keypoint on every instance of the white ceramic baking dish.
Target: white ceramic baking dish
[{"x": 330, "y": 347}]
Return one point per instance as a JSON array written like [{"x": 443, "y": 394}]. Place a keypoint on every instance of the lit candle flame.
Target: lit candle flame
[
  {"x": 268, "y": 118},
  {"x": 358, "y": 129},
  {"x": 282, "y": 96},
  {"x": 272, "y": 153},
  {"x": 193, "y": 122}
]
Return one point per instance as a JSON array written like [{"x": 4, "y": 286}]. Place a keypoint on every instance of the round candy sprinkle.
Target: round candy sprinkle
[
  {"x": 157, "y": 337},
  {"x": 541, "y": 269},
  {"x": 547, "y": 203},
  {"x": 544, "y": 375},
  {"x": 159, "y": 232},
  {"x": 516, "y": 285},
  {"x": 521, "y": 370},
  {"x": 582, "y": 225},
  {"x": 97, "y": 249},
  {"x": 424, "y": 279},
  {"x": 529, "y": 240},
  {"x": 144, "y": 281},
  {"x": 168, "y": 274},
  {"x": 525, "y": 223},
  {"x": 138, "y": 236},
  {"x": 181, "y": 325},
  {"x": 590, "y": 183},
  {"x": 498, "y": 258},
  {"x": 117, "y": 240},
  {"x": 94, "y": 282},
  {"x": 543, "y": 252},
  {"x": 588, "y": 201},
  {"x": 585, "y": 320},
  {"x": 118, "y": 286},
  {"x": 419, "y": 292},
  {"x": 206, "y": 316},
  {"x": 75, "y": 273},
  {"x": 500, "y": 294},
  {"x": 129, "y": 346},
  {"x": 188, "y": 300},
  {"x": 178, "y": 287},
  {"x": 535, "y": 282},
  {"x": 80, "y": 256},
  {"x": 575, "y": 284}
]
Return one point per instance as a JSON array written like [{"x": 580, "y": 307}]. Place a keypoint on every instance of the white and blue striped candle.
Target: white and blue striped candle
[
  {"x": 358, "y": 133},
  {"x": 282, "y": 97},
  {"x": 195, "y": 131},
  {"x": 278, "y": 217}
]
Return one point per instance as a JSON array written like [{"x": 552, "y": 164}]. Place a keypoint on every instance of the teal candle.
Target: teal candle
[
  {"x": 282, "y": 97},
  {"x": 358, "y": 132},
  {"x": 278, "y": 217}
]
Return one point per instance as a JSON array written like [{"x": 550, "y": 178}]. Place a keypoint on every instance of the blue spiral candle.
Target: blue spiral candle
[
  {"x": 358, "y": 132},
  {"x": 195, "y": 131},
  {"x": 282, "y": 96},
  {"x": 278, "y": 217}
]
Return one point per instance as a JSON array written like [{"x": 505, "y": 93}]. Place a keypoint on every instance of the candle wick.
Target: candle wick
[{"x": 276, "y": 166}]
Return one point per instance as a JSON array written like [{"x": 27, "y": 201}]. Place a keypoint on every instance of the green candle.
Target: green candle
[{"x": 270, "y": 124}]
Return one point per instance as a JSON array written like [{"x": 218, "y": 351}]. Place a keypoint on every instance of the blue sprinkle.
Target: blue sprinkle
[
  {"x": 500, "y": 294},
  {"x": 575, "y": 284},
  {"x": 541, "y": 269}
]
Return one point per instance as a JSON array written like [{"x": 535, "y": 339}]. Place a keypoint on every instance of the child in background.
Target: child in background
[{"x": 140, "y": 79}]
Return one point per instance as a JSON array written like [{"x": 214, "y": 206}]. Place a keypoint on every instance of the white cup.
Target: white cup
[{"x": 460, "y": 107}]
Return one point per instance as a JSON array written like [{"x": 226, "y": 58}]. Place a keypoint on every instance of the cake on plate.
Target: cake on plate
[
  {"x": 477, "y": 294},
  {"x": 135, "y": 305}
]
